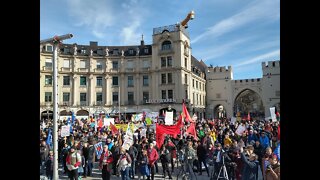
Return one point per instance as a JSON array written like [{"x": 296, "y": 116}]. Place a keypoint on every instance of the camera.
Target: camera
[{"x": 269, "y": 167}]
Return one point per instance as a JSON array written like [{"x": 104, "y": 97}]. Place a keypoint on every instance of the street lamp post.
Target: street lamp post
[{"x": 56, "y": 40}]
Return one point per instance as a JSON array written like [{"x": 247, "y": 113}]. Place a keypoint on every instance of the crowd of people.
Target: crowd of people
[{"x": 217, "y": 145}]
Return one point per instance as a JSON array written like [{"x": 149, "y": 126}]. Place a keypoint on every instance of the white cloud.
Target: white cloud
[
  {"x": 98, "y": 15},
  {"x": 221, "y": 49},
  {"x": 258, "y": 10},
  {"x": 129, "y": 36},
  {"x": 95, "y": 16},
  {"x": 267, "y": 56}
]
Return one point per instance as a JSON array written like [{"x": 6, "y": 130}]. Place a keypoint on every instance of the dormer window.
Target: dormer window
[
  {"x": 131, "y": 51},
  {"x": 49, "y": 48},
  {"x": 100, "y": 52},
  {"x": 115, "y": 51},
  {"x": 146, "y": 51},
  {"x": 66, "y": 50}
]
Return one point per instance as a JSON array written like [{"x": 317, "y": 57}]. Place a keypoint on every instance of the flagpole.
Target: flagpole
[
  {"x": 119, "y": 102},
  {"x": 55, "y": 110}
]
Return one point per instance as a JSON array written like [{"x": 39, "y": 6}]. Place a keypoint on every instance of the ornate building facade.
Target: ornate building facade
[
  {"x": 124, "y": 80},
  {"x": 96, "y": 79}
]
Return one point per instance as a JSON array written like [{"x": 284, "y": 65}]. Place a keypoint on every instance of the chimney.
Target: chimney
[
  {"x": 93, "y": 44},
  {"x": 142, "y": 41}
]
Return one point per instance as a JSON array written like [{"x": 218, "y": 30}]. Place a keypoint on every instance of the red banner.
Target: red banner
[{"x": 163, "y": 130}]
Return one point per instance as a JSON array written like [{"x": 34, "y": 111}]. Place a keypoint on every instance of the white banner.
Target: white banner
[
  {"x": 233, "y": 120},
  {"x": 273, "y": 114},
  {"x": 152, "y": 115},
  {"x": 143, "y": 132},
  {"x": 169, "y": 118},
  {"x": 107, "y": 121},
  {"x": 240, "y": 130},
  {"x": 138, "y": 117},
  {"x": 65, "y": 131}
]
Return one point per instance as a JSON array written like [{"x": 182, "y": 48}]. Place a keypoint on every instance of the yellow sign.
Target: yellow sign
[{"x": 125, "y": 126}]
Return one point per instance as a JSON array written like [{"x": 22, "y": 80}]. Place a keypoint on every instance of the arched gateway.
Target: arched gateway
[{"x": 248, "y": 101}]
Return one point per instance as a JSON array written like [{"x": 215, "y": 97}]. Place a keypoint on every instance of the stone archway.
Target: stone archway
[
  {"x": 65, "y": 113},
  {"x": 82, "y": 113},
  {"x": 249, "y": 101},
  {"x": 46, "y": 115}
]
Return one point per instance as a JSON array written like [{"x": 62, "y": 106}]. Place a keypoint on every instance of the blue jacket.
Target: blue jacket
[
  {"x": 252, "y": 137},
  {"x": 265, "y": 142}
]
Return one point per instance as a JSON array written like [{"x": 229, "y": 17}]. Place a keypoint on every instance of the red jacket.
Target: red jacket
[
  {"x": 109, "y": 159},
  {"x": 152, "y": 155}
]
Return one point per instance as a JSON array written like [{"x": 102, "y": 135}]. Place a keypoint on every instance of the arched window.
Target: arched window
[
  {"x": 166, "y": 45},
  {"x": 186, "y": 48}
]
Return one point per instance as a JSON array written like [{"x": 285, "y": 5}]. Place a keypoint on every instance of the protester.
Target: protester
[
  {"x": 165, "y": 159},
  {"x": 123, "y": 164},
  {"x": 73, "y": 162},
  {"x": 105, "y": 163},
  {"x": 153, "y": 157},
  {"x": 250, "y": 170},
  {"x": 210, "y": 142},
  {"x": 49, "y": 166}
]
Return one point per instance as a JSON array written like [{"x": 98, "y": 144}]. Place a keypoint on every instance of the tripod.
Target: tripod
[
  {"x": 182, "y": 173},
  {"x": 223, "y": 174}
]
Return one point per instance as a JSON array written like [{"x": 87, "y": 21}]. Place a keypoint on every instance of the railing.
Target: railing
[
  {"x": 45, "y": 68},
  {"x": 83, "y": 103},
  {"x": 46, "y": 104},
  {"x": 66, "y": 69},
  {"x": 170, "y": 28},
  {"x": 166, "y": 51},
  {"x": 98, "y": 70},
  {"x": 145, "y": 69},
  {"x": 114, "y": 70},
  {"x": 129, "y": 70},
  {"x": 83, "y": 70},
  {"x": 99, "y": 103},
  {"x": 66, "y": 103}
]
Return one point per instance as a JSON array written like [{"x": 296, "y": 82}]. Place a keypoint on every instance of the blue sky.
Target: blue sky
[{"x": 240, "y": 33}]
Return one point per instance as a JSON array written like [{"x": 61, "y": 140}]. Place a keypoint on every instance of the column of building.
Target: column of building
[
  {"x": 75, "y": 87},
  {"x": 91, "y": 91}
]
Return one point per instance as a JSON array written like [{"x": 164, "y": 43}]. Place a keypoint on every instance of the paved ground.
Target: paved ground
[{"x": 97, "y": 175}]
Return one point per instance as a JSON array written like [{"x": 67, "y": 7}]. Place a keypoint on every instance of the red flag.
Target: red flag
[
  {"x": 279, "y": 132},
  {"x": 100, "y": 123},
  {"x": 163, "y": 130},
  {"x": 278, "y": 116},
  {"x": 114, "y": 130},
  {"x": 248, "y": 117},
  {"x": 192, "y": 130},
  {"x": 186, "y": 114}
]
